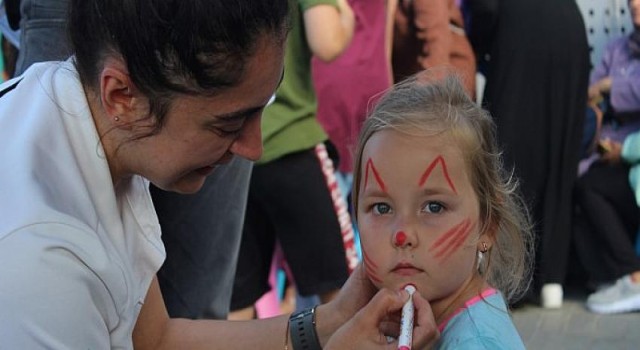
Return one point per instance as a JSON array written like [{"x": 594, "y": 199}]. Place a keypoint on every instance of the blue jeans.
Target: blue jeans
[
  {"x": 201, "y": 233},
  {"x": 43, "y": 34}
]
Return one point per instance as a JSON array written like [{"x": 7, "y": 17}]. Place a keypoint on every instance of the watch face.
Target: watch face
[{"x": 303, "y": 313}]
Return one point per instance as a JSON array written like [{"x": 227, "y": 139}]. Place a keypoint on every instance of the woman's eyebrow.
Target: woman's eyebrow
[
  {"x": 241, "y": 114},
  {"x": 247, "y": 112}
]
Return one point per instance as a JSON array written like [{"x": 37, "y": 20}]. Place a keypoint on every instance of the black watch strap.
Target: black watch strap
[{"x": 302, "y": 326}]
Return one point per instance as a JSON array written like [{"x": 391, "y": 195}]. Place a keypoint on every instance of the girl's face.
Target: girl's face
[{"x": 418, "y": 214}]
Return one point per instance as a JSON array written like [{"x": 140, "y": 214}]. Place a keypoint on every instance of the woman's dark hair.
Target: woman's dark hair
[{"x": 172, "y": 46}]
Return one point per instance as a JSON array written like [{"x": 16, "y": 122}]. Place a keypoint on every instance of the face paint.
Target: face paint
[
  {"x": 399, "y": 239},
  {"x": 430, "y": 168},
  {"x": 375, "y": 174},
  {"x": 371, "y": 268},
  {"x": 451, "y": 240}
]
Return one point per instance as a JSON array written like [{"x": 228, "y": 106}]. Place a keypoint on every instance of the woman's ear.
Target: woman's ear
[{"x": 117, "y": 92}]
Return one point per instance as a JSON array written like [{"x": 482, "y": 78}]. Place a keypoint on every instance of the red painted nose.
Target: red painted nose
[{"x": 400, "y": 238}]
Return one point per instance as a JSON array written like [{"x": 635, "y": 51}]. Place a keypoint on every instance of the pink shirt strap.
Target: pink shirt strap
[{"x": 485, "y": 294}]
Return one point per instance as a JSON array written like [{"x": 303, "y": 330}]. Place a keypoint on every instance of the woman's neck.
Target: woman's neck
[{"x": 106, "y": 133}]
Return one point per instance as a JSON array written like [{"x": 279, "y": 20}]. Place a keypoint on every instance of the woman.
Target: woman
[{"x": 161, "y": 92}]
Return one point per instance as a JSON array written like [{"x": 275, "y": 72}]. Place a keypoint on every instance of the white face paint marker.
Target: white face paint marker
[{"x": 406, "y": 322}]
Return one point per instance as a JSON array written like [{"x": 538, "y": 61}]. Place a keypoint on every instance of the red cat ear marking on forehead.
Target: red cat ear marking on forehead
[
  {"x": 375, "y": 175},
  {"x": 427, "y": 173}
]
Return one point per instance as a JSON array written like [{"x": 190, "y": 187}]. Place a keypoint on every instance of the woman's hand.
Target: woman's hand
[
  {"x": 369, "y": 328},
  {"x": 353, "y": 296},
  {"x": 597, "y": 89}
]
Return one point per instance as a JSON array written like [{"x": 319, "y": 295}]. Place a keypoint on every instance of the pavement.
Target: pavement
[{"x": 574, "y": 327}]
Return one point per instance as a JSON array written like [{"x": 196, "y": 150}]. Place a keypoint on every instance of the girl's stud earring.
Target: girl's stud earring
[{"x": 116, "y": 119}]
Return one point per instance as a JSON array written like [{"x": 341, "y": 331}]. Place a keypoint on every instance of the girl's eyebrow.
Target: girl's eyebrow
[
  {"x": 373, "y": 192},
  {"x": 430, "y": 191}
]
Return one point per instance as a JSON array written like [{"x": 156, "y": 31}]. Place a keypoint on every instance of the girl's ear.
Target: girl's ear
[{"x": 488, "y": 237}]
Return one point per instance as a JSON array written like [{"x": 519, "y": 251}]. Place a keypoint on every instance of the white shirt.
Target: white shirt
[{"x": 76, "y": 255}]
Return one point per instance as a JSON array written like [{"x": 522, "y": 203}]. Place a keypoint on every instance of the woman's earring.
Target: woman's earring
[{"x": 116, "y": 119}]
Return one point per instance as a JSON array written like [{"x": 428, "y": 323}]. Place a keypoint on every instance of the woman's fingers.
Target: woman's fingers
[
  {"x": 425, "y": 331},
  {"x": 363, "y": 330}
]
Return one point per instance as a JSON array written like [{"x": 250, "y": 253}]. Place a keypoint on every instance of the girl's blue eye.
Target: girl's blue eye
[
  {"x": 381, "y": 208},
  {"x": 433, "y": 207}
]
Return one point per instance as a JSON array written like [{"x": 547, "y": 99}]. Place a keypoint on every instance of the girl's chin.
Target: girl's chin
[{"x": 394, "y": 285}]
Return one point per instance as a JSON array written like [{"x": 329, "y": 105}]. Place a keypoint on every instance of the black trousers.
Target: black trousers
[{"x": 607, "y": 224}]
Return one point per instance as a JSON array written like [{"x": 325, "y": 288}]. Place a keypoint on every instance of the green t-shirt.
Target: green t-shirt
[{"x": 289, "y": 125}]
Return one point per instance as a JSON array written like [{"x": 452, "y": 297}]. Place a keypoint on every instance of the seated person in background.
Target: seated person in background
[
  {"x": 616, "y": 79},
  {"x": 607, "y": 222},
  {"x": 436, "y": 210},
  {"x": 608, "y": 196}
]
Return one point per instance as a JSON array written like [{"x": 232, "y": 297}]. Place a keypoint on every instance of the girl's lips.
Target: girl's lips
[{"x": 406, "y": 270}]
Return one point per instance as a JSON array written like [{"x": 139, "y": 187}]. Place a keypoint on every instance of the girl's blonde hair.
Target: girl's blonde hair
[{"x": 429, "y": 104}]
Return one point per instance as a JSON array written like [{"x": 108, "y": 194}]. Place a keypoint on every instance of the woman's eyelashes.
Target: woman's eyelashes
[
  {"x": 227, "y": 133},
  {"x": 227, "y": 130},
  {"x": 233, "y": 126}
]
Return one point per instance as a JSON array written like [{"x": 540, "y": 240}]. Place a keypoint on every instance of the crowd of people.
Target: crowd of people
[{"x": 159, "y": 153}]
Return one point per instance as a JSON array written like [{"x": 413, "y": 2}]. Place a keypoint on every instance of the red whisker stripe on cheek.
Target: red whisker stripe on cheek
[
  {"x": 373, "y": 277},
  {"x": 453, "y": 239},
  {"x": 368, "y": 261},
  {"x": 456, "y": 244},
  {"x": 447, "y": 235},
  {"x": 371, "y": 268}
]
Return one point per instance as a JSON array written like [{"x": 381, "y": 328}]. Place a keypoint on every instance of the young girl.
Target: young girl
[{"x": 436, "y": 210}]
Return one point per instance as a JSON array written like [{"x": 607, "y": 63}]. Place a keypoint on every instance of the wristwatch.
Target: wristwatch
[{"x": 302, "y": 327}]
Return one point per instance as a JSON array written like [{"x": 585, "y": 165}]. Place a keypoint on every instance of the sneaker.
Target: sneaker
[
  {"x": 551, "y": 296},
  {"x": 623, "y": 296}
]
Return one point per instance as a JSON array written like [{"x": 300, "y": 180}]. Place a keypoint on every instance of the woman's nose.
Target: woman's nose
[{"x": 249, "y": 142}]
